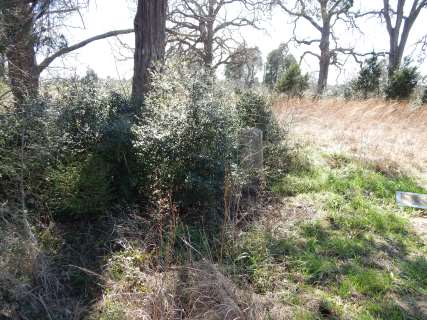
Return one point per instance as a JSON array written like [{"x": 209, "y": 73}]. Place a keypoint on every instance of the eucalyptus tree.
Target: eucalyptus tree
[
  {"x": 278, "y": 61},
  {"x": 322, "y": 16},
  {"x": 32, "y": 28},
  {"x": 150, "y": 40},
  {"x": 399, "y": 16},
  {"x": 243, "y": 66}
]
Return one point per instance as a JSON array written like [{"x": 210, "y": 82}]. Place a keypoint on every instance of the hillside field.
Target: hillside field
[{"x": 390, "y": 132}]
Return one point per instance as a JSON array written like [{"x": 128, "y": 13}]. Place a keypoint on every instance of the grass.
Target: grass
[
  {"x": 358, "y": 261},
  {"x": 390, "y": 132}
]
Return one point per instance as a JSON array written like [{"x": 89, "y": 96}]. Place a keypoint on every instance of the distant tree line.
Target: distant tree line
[{"x": 206, "y": 33}]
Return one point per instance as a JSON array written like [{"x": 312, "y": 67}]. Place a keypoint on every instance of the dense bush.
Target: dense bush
[
  {"x": 85, "y": 150},
  {"x": 82, "y": 113},
  {"x": 80, "y": 188},
  {"x": 254, "y": 111},
  {"x": 403, "y": 82},
  {"x": 93, "y": 134},
  {"x": 292, "y": 82},
  {"x": 186, "y": 139},
  {"x": 26, "y": 151},
  {"x": 368, "y": 80}
]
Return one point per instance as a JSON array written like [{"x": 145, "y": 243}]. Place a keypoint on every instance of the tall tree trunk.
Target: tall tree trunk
[
  {"x": 208, "y": 46},
  {"x": 23, "y": 72},
  {"x": 394, "y": 58},
  {"x": 150, "y": 40},
  {"x": 2, "y": 67},
  {"x": 397, "y": 37},
  {"x": 324, "y": 61}
]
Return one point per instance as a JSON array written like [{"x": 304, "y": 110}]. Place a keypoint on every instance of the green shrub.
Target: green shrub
[
  {"x": 348, "y": 93},
  {"x": 186, "y": 139},
  {"x": 116, "y": 148},
  {"x": 80, "y": 188},
  {"x": 83, "y": 111},
  {"x": 402, "y": 83},
  {"x": 292, "y": 82},
  {"x": 368, "y": 80},
  {"x": 91, "y": 121},
  {"x": 254, "y": 111},
  {"x": 26, "y": 151}
]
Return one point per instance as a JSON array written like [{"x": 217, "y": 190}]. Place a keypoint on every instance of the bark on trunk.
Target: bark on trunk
[
  {"x": 23, "y": 73},
  {"x": 2, "y": 67},
  {"x": 150, "y": 40},
  {"x": 208, "y": 46},
  {"x": 324, "y": 61},
  {"x": 394, "y": 58}
]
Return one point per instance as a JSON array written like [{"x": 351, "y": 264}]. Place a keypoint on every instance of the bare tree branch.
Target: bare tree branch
[
  {"x": 206, "y": 32},
  {"x": 47, "y": 61},
  {"x": 323, "y": 16},
  {"x": 398, "y": 25}
]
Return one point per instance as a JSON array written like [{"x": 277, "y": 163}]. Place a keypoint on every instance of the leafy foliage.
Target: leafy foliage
[
  {"x": 80, "y": 188},
  {"x": 187, "y": 138},
  {"x": 403, "y": 82},
  {"x": 243, "y": 66},
  {"x": 25, "y": 151},
  {"x": 277, "y": 61},
  {"x": 83, "y": 110},
  {"x": 292, "y": 82},
  {"x": 254, "y": 111},
  {"x": 368, "y": 80}
]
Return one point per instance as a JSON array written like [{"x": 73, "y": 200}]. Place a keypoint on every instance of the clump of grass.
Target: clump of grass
[
  {"x": 360, "y": 253},
  {"x": 366, "y": 281}
]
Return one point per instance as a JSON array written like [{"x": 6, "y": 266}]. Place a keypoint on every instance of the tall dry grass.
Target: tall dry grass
[{"x": 387, "y": 132}]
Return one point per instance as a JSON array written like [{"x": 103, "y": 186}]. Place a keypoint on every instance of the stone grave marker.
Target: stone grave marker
[
  {"x": 251, "y": 149},
  {"x": 410, "y": 199}
]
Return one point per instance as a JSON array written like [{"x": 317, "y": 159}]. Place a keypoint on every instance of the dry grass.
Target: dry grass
[
  {"x": 393, "y": 134},
  {"x": 136, "y": 286}
]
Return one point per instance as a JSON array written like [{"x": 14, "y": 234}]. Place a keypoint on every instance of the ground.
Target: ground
[
  {"x": 327, "y": 240},
  {"x": 340, "y": 247},
  {"x": 349, "y": 253},
  {"x": 333, "y": 245}
]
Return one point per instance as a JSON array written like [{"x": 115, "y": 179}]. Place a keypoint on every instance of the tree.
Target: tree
[
  {"x": 323, "y": 16},
  {"x": 277, "y": 62},
  {"x": 368, "y": 80},
  {"x": 244, "y": 65},
  {"x": 292, "y": 82},
  {"x": 150, "y": 40},
  {"x": 403, "y": 81},
  {"x": 205, "y": 29},
  {"x": 399, "y": 24},
  {"x": 29, "y": 28},
  {"x": 2, "y": 66}
]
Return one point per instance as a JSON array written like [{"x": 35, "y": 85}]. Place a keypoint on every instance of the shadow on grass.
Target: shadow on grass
[{"x": 363, "y": 254}]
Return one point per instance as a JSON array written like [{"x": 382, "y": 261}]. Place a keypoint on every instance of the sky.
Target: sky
[{"x": 108, "y": 58}]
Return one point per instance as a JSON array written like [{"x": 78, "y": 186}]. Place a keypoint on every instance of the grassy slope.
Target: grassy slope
[
  {"x": 360, "y": 260},
  {"x": 370, "y": 129}
]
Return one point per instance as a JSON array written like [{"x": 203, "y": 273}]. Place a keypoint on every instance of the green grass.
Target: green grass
[{"x": 359, "y": 255}]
